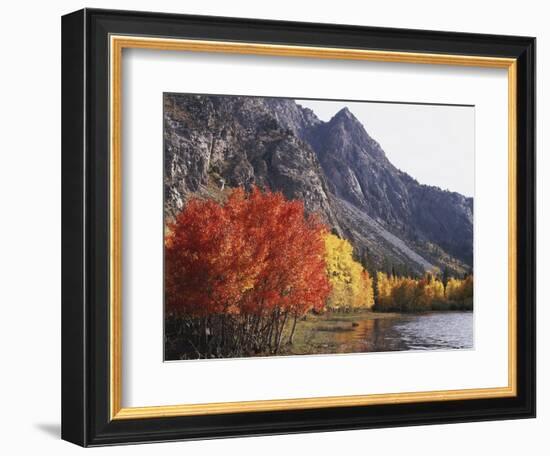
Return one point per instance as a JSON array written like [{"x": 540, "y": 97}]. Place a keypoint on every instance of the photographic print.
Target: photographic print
[{"x": 309, "y": 227}]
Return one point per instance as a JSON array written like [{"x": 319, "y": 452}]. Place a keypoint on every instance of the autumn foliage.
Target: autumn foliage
[
  {"x": 405, "y": 294},
  {"x": 461, "y": 291},
  {"x": 351, "y": 285},
  {"x": 237, "y": 273}
]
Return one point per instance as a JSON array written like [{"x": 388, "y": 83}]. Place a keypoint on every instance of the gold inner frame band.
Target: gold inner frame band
[{"x": 117, "y": 44}]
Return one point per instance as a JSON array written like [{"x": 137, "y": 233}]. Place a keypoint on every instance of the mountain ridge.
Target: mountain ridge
[{"x": 335, "y": 167}]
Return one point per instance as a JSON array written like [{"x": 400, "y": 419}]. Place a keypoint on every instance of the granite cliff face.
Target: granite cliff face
[{"x": 213, "y": 143}]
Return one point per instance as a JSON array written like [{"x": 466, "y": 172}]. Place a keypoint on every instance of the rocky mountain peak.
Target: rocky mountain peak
[{"x": 344, "y": 115}]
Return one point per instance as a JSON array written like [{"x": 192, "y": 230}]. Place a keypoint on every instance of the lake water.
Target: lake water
[{"x": 431, "y": 331}]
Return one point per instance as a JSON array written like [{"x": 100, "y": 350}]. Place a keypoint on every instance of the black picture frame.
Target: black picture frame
[{"x": 85, "y": 228}]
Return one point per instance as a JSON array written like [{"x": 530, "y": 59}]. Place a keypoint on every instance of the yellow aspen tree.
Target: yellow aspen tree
[
  {"x": 453, "y": 290},
  {"x": 384, "y": 287},
  {"x": 350, "y": 288},
  {"x": 367, "y": 290}
]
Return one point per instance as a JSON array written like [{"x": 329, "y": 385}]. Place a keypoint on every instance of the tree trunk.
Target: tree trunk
[
  {"x": 290, "y": 339},
  {"x": 280, "y": 335}
]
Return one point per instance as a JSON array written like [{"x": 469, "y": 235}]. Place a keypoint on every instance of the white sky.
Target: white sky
[{"x": 434, "y": 144}]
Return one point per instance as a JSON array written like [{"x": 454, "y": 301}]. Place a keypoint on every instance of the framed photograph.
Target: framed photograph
[{"x": 278, "y": 227}]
